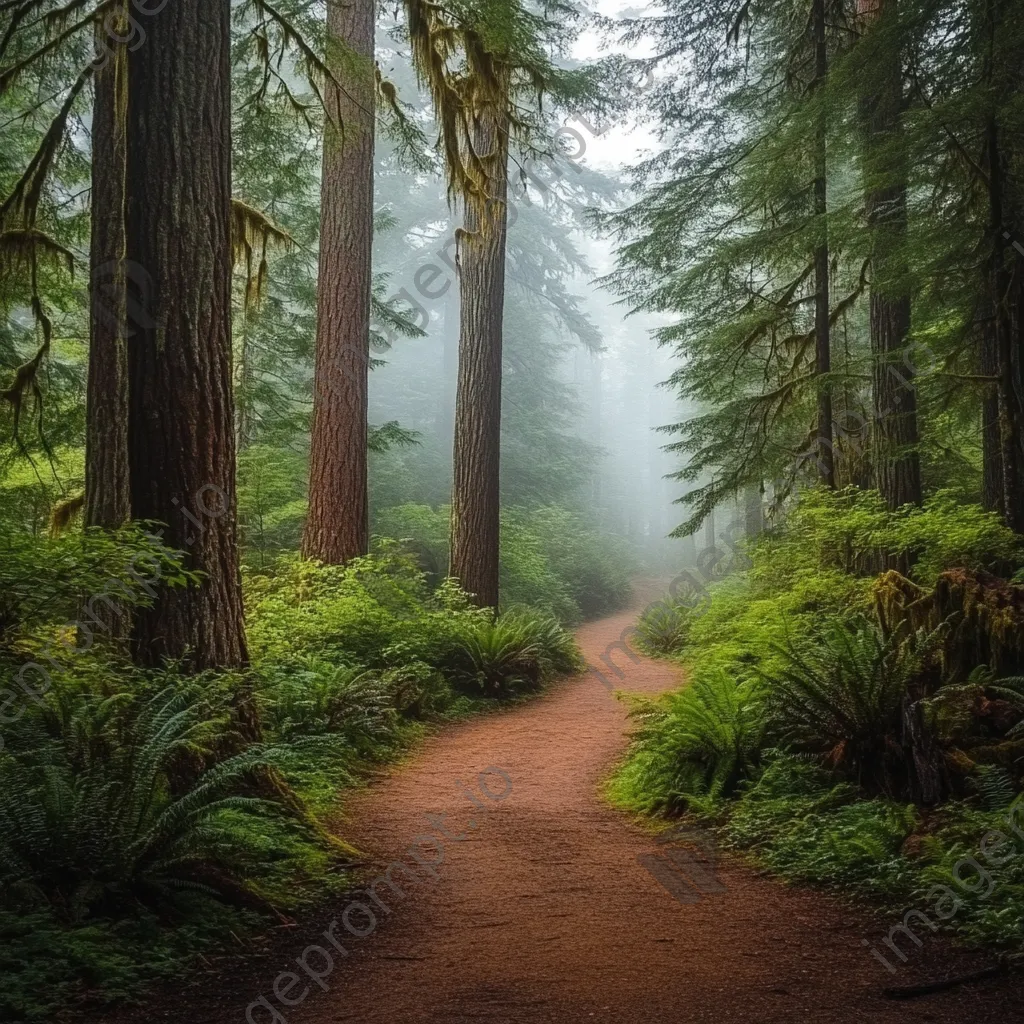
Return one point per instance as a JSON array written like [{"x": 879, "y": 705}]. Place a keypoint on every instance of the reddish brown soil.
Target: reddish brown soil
[{"x": 543, "y": 913}]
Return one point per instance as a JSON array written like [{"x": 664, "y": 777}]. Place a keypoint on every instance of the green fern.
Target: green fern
[
  {"x": 1011, "y": 689},
  {"x": 839, "y": 697},
  {"x": 92, "y": 821},
  {"x": 664, "y": 627},
  {"x": 694, "y": 747},
  {"x": 514, "y": 653},
  {"x": 995, "y": 787}
]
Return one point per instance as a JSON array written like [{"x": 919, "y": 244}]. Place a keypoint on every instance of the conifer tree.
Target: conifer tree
[
  {"x": 178, "y": 231},
  {"x": 107, "y": 484},
  {"x": 337, "y": 525},
  {"x": 894, "y": 414}
]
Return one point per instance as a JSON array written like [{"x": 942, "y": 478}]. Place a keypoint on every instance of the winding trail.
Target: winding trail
[
  {"x": 543, "y": 912},
  {"x": 546, "y": 911}
]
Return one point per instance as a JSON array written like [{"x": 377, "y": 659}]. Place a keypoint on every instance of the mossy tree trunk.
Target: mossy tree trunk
[
  {"x": 822, "y": 327},
  {"x": 991, "y": 452},
  {"x": 475, "y": 527},
  {"x": 1004, "y": 340}
]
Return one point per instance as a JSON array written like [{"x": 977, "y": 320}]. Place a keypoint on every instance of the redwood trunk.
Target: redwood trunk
[
  {"x": 181, "y": 431},
  {"x": 991, "y": 452},
  {"x": 1008, "y": 412},
  {"x": 107, "y": 495},
  {"x": 475, "y": 490},
  {"x": 449, "y": 366},
  {"x": 337, "y": 526},
  {"x": 822, "y": 340},
  {"x": 897, "y": 464}
]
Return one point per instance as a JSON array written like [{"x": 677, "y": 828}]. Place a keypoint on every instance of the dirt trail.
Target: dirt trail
[{"x": 543, "y": 912}]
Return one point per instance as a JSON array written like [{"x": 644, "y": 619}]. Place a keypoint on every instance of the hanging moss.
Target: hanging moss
[
  {"x": 64, "y": 512},
  {"x": 252, "y": 231}
]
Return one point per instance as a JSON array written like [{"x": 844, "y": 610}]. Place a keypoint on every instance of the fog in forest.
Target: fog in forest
[
  {"x": 466, "y": 463},
  {"x": 585, "y": 385}
]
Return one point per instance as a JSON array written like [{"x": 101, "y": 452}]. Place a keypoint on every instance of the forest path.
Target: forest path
[{"x": 544, "y": 912}]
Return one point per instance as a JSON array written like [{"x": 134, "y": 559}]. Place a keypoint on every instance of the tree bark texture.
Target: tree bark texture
[
  {"x": 991, "y": 451},
  {"x": 337, "y": 525},
  {"x": 822, "y": 329},
  {"x": 475, "y": 527},
  {"x": 107, "y": 489},
  {"x": 896, "y": 461},
  {"x": 1002, "y": 293},
  {"x": 181, "y": 430}
]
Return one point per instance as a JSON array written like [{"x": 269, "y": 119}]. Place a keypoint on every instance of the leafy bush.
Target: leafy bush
[
  {"x": 594, "y": 567},
  {"x": 852, "y": 530},
  {"x": 377, "y": 613},
  {"x": 801, "y": 618},
  {"x": 316, "y": 697},
  {"x": 344, "y": 614},
  {"x": 551, "y": 558},
  {"x": 271, "y": 500},
  {"x": 799, "y": 822},
  {"x": 528, "y": 575},
  {"x": 45, "y": 582},
  {"x": 514, "y": 653},
  {"x": 991, "y": 915},
  {"x": 560, "y": 654},
  {"x": 45, "y": 964}
]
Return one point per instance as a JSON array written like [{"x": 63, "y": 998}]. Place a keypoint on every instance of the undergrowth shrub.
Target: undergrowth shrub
[
  {"x": 105, "y": 811},
  {"x": 693, "y": 747},
  {"x": 45, "y": 581},
  {"x": 839, "y": 696},
  {"x": 315, "y": 697},
  {"x": 664, "y": 627},
  {"x": 551, "y": 557},
  {"x": 852, "y": 530},
  {"x": 378, "y": 614},
  {"x": 131, "y": 837},
  {"x": 800, "y": 822},
  {"x": 989, "y": 911},
  {"x": 813, "y": 713},
  {"x": 513, "y": 654}
]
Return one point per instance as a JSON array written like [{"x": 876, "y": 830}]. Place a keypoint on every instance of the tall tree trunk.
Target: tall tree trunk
[
  {"x": 710, "y": 543},
  {"x": 475, "y": 527},
  {"x": 181, "y": 430},
  {"x": 897, "y": 463},
  {"x": 337, "y": 526},
  {"x": 991, "y": 451},
  {"x": 1008, "y": 401},
  {"x": 449, "y": 367},
  {"x": 595, "y": 373},
  {"x": 1002, "y": 356},
  {"x": 107, "y": 494},
  {"x": 822, "y": 340}
]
